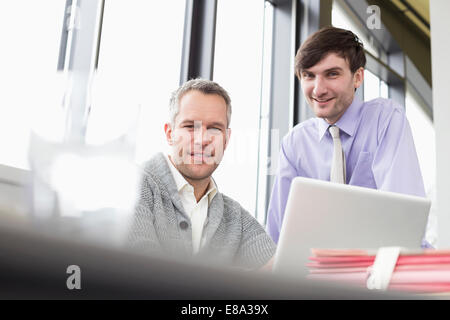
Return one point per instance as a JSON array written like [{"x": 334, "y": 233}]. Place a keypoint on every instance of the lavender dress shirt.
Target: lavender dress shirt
[{"x": 379, "y": 152}]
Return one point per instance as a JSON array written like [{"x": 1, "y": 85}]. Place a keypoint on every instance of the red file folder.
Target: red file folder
[{"x": 421, "y": 271}]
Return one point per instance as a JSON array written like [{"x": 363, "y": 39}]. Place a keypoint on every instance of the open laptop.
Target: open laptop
[{"x": 321, "y": 214}]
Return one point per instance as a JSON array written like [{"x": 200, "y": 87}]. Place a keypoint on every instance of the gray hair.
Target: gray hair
[{"x": 205, "y": 87}]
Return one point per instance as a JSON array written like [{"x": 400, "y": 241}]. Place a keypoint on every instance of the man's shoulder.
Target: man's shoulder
[
  {"x": 157, "y": 169},
  {"x": 155, "y": 173},
  {"x": 383, "y": 106},
  {"x": 231, "y": 206},
  {"x": 304, "y": 126},
  {"x": 383, "y": 113},
  {"x": 154, "y": 165},
  {"x": 303, "y": 129}
]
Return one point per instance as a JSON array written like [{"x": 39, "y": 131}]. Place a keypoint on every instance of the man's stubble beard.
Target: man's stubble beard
[{"x": 190, "y": 174}]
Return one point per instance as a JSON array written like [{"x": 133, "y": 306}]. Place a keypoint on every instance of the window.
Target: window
[
  {"x": 371, "y": 86},
  {"x": 374, "y": 87},
  {"x": 424, "y": 136},
  {"x": 423, "y": 132},
  {"x": 31, "y": 88},
  {"x": 238, "y": 64},
  {"x": 342, "y": 17},
  {"x": 384, "y": 90},
  {"x": 139, "y": 67},
  {"x": 264, "y": 125}
]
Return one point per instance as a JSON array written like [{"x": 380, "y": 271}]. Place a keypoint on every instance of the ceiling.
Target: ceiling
[{"x": 417, "y": 11}]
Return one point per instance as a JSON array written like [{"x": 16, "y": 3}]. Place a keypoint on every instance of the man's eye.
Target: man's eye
[
  {"x": 215, "y": 130},
  {"x": 333, "y": 74},
  {"x": 308, "y": 76}
]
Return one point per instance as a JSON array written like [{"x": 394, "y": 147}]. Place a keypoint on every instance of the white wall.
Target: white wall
[{"x": 440, "y": 51}]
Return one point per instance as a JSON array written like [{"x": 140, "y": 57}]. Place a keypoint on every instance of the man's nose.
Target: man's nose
[
  {"x": 208, "y": 138},
  {"x": 202, "y": 137},
  {"x": 320, "y": 87}
]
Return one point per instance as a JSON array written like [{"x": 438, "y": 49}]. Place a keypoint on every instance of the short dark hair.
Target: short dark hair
[{"x": 330, "y": 40}]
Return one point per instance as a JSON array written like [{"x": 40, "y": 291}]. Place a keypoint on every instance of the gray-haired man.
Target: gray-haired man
[{"x": 180, "y": 210}]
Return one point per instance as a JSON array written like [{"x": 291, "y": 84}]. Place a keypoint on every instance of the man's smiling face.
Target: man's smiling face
[
  {"x": 329, "y": 86},
  {"x": 199, "y": 135}
]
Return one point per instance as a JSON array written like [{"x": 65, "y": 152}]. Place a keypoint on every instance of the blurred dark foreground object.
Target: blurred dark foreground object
[{"x": 34, "y": 266}]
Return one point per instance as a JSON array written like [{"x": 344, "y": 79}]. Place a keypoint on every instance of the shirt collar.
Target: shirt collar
[
  {"x": 181, "y": 182},
  {"x": 347, "y": 123},
  {"x": 212, "y": 190}
]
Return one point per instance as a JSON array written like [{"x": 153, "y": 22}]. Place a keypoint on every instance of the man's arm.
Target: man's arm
[
  {"x": 280, "y": 191},
  {"x": 142, "y": 236},
  {"x": 395, "y": 164},
  {"x": 256, "y": 248},
  {"x": 268, "y": 266}
]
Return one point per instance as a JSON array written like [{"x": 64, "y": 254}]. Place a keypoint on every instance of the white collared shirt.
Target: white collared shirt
[{"x": 196, "y": 211}]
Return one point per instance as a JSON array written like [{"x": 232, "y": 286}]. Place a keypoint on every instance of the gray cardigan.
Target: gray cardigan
[{"x": 233, "y": 236}]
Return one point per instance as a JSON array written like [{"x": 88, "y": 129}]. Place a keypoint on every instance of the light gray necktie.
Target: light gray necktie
[{"x": 337, "y": 173}]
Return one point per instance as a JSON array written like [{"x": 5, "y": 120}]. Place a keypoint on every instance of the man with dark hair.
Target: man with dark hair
[
  {"x": 181, "y": 212},
  {"x": 366, "y": 144}
]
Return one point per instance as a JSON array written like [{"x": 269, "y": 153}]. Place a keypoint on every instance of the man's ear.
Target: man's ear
[
  {"x": 227, "y": 137},
  {"x": 358, "y": 77},
  {"x": 169, "y": 133}
]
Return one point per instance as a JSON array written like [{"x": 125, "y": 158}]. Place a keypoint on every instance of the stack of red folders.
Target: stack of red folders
[{"x": 416, "y": 271}]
